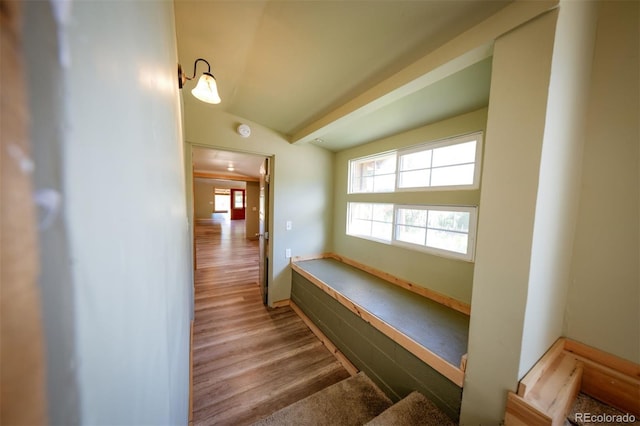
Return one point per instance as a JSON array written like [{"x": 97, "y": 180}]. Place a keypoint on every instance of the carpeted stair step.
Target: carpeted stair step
[
  {"x": 414, "y": 410},
  {"x": 353, "y": 401}
]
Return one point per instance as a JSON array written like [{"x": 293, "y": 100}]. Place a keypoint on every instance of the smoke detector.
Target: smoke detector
[{"x": 244, "y": 130}]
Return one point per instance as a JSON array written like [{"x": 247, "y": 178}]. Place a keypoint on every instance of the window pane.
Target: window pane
[
  {"x": 455, "y": 154},
  {"x": 410, "y": 234},
  {"x": 368, "y": 168},
  {"x": 361, "y": 211},
  {"x": 360, "y": 227},
  {"x": 444, "y": 240},
  {"x": 381, "y": 230},
  {"x": 372, "y": 174},
  {"x": 370, "y": 220},
  {"x": 386, "y": 165},
  {"x": 384, "y": 183},
  {"x": 367, "y": 184},
  {"x": 416, "y": 160},
  {"x": 453, "y": 175},
  {"x": 238, "y": 201},
  {"x": 383, "y": 212},
  {"x": 414, "y": 178},
  {"x": 412, "y": 217},
  {"x": 453, "y": 221}
]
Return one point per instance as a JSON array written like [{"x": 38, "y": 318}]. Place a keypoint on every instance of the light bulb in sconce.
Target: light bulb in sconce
[{"x": 207, "y": 89}]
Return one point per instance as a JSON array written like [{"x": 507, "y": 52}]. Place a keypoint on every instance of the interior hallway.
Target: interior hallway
[{"x": 248, "y": 361}]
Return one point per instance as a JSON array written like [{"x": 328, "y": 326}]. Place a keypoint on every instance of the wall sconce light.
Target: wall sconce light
[{"x": 207, "y": 89}]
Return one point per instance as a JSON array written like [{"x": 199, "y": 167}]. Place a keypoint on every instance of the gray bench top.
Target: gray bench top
[{"x": 440, "y": 329}]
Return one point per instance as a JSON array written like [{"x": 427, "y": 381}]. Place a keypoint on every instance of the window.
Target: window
[
  {"x": 376, "y": 173},
  {"x": 441, "y": 230},
  {"x": 444, "y": 230},
  {"x": 238, "y": 201},
  {"x": 452, "y": 163},
  {"x": 370, "y": 220},
  {"x": 449, "y": 163}
]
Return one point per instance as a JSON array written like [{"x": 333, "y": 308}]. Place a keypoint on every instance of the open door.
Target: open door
[
  {"x": 263, "y": 236},
  {"x": 237, "y": 204}
]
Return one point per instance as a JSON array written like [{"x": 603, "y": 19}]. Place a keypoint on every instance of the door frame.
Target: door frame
[{"x": 189, "y": 178}]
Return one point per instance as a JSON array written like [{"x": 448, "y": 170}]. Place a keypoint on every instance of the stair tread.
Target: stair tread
[
  {"x": 413, "y": 410},
  {"x": 353, "y": 401}
]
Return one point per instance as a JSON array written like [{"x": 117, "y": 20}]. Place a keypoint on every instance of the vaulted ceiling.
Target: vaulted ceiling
[{"x": 289, "y": 65}]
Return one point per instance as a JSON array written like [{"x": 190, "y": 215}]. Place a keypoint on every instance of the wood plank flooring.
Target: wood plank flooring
[{"x": 248, "y": 360}]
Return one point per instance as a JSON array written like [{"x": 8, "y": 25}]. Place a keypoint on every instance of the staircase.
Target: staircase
[{"x": 357, "y": 401}]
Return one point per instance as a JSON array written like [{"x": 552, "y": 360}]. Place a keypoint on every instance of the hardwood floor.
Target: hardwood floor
[{"x": 248, "y": 361}]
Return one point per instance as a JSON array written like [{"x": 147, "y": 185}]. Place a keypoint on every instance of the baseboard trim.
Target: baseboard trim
[{"x": 281, "y": 303}]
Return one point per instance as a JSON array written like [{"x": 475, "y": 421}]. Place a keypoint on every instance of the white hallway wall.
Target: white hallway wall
[{"x": 111, "y": 144}]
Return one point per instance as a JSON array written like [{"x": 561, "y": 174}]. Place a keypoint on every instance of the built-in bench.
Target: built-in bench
[
  {"x": 404, "y": 336},
  {"x": 547, "y": 392}
]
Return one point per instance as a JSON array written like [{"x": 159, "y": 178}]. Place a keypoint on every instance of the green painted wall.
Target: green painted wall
[
  {"x": 448, "y": 276},
  {"x": 395, "y": 370},
  {"x": 203, "y": 198},
  {"x": 252, "y": 219},
  {"x": 603, "y": 308}
]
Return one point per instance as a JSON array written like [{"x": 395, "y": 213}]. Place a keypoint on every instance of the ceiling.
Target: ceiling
[
  {"x": 288, "y": 64},
  {"x": 218, "y": 162}
]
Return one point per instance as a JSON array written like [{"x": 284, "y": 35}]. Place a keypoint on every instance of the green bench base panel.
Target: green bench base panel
[{"x": 394, "y": 369}]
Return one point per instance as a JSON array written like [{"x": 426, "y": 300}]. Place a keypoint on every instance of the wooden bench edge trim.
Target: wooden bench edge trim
[
  {"x": 310, "y": 257},
  {"x": 463, "y": 362},
  {"x": 443, "y": 367},
  {"x": 520, "y": 413},
  {"x": 450, "y": 302},
  {"x": 566, "y": 396},
  {"x": 342, "y": 359},
  {"x": 541, "y": 367}
]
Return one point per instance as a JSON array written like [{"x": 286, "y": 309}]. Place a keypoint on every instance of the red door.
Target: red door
[{"x": 237, "y": 204}]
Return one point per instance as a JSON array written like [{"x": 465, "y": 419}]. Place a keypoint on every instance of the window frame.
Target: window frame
[
  {"x": 471, "y": 234},
  {"x": 477, "y": 136},
  {"x": 469, "y": 256},
  {"x": 440, "y": 143}
]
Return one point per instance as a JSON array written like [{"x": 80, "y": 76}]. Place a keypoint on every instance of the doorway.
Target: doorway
[
  {"x": 238, "y": 209},
  {"x": 236, "y": 184}
]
